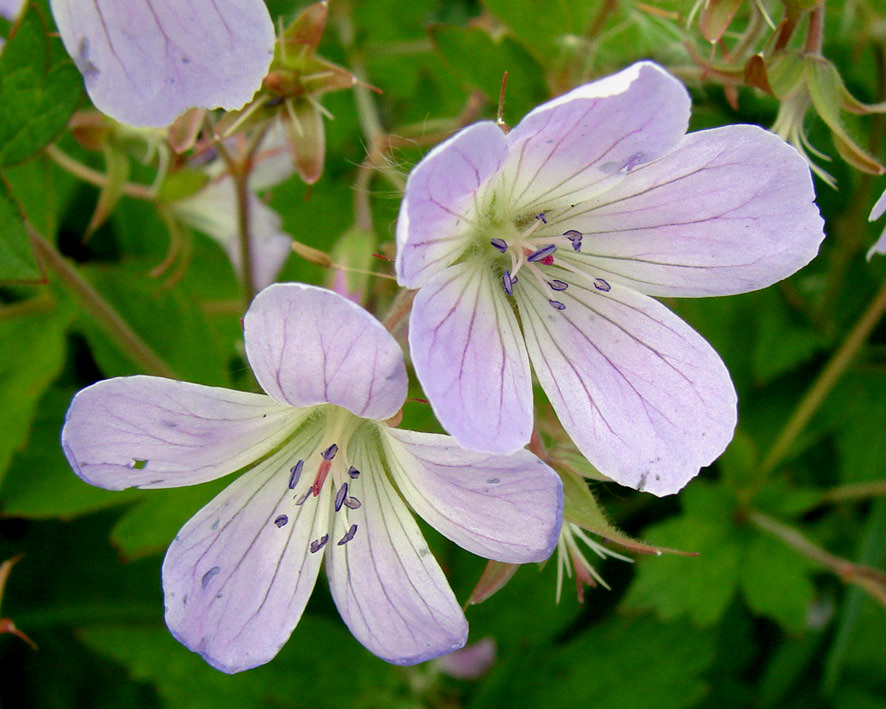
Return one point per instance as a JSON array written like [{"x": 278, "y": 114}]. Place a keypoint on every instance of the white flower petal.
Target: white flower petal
[
  {"x": 387, "y": 585},
  {"x": 469, "y": 357},
  {"x": 440, "y": 194},
  {"x": 507, "y": 508},
  {"x": 308, "y": 346},
  {"x": 879, "y": 208},
  {"x": 146, "y": 62},
  {"x": 642, "y": 395},
  {"x": 152, "y": 432},
  {"x": 569, "y": 148},
  {"x": 730, "y": 210}
]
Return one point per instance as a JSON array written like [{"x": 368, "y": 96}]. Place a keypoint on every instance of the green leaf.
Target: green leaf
[
  {"x": 775, "y": 582},
  {"x": 32, "y": 339},
  {"x": 39, "y": 87},
  {"x": 17, "y": 260},
  {"x": 56, "y": 491}
]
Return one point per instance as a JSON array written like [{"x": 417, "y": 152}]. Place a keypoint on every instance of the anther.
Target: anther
[
  {"x": 207, "y": 577},
  {"x": 353, "y": 473},
  {"x": 542, "y": 253},
  {"x": 507, "y": 282},
  {"x": 499, "y": 244},
  {"x": 340, "y": 496},
  {"x": 558, "y": 285},
  {"x": 541, "y": 217},
  {"x": 557, "y": 304},
  {"x": 295, "y": 474},
  {"x": 349, "y": 535},
  {"x": 318, "y": 544},
  {"x": 575, "y": 237},
  {"x": 330, "y": 452},
  {"x": 352, "y": 503},
  {"x": 281, "y": 520},
  {"x": 602, "y": 285},
  {"x": 301, "y": 500}
]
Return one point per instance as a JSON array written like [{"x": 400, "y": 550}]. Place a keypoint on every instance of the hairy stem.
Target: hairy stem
[{"x": 94, "y": 177}]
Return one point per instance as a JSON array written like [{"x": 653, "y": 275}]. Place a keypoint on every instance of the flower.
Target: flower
[
  {"x": 214, "y": 210},
  {"x": 145, "y": 63},
  {"x": 570, "y": 556},
  {"x": 544, "y": 245},
  {"x": 324, "y": 472},
  {"x": 878, "y": 211}
]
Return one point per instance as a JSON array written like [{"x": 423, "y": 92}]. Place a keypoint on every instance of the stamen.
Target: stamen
[
  {"x": 318, "y": 544},
  {"x": 575, "y": 237},
  {"x": 557, "y": 304},
  {"x": 499, "y": 244},
  {"x": 349, "y": 535},
  {"x": 340, "y": 496},
  {"x": 322, "y": 472},
  {"x": 353, "y": 473},
  {"x": 352, "y": 503},
  {"x": 541, "y": 217},
  {"x": 558, "y": 285},
  {"x": 295, "y": 474},
  {"x": 301, "y": 500},
  {"x": 507, "y": 282},
  {"x": 602, "y": 285},
  {"x": 542, "y": 253},
  {"x": 281, "y": 520},
  {"x": 330, "y": 452}
]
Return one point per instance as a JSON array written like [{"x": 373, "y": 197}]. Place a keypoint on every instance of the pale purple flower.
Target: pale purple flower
[
  {"x": 544, "y": 245},
  {"x": 878, "y": 211},
  {"x": 326, "y": 478},
  {"x": 147, "y": 62}
]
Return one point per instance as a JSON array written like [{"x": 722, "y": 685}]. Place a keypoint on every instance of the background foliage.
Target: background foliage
[{"x": 782, "y": 607}]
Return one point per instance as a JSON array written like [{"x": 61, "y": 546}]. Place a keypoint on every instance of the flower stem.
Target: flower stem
[
  {"x": 104, "y": 314},
  {"x": 826, "y": 381},
  {"x": 401, "y": 306},
  {"x": 94, "y": 177}
]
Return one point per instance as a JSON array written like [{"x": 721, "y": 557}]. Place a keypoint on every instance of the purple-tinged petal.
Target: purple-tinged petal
[
  {"x": 147, "y": 62},
  {"x": 645, "y": 399},
  {"x": 435, "y": 212},
  {"x": 730, "y": 210},
  {"x": 879, "y": 209},
  {"x": 574, "y": 146},
  {"x": 507, "y": 508},
  {"x": 237, "y": 577},
  {"x": 10, "y": 9},
  {"x": 471, "y": 662},
  {"x": 387, "y": 586},
  {"x": 309, "y": 346},
  {"x": 213, "y": 210},
  {"x": 469, "y": 356},
  {"x": 151, "y": 432}
]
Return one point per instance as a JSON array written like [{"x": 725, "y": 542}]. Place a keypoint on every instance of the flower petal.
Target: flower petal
[
  {"x": 570, "y": 147},
  {"x": 151, "y": 432},
  {"x": 147, "y": 62},
  {"x": 646, "y": 400},
  {"x": 213, "y": 210},
  {"x": 440, "y": 192},
  {"x": 237, "y": 576},
  {"x": 879, "y": 208},
  {"x": 507, "y": 508},
  {"x": 308, "y": 346},
  {"x": 729, "y": 211},
  {"x": 386, "y": 584},
  {"x": 471, "y": 361}
]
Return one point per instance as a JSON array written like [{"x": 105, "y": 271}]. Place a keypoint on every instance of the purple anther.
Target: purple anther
[
  {"x": 499, "y": 244},
  {"x": 557, "y": 304},
  {"x": 281, "y": 520},
  {"x": 541, "y": 217},
  {"x": 330, "y": 452},
  {"x": 352, "y": 503},
  {"x": 353, "y": 473},
  {"x": 318, "y": 544},
  {"x": 207, "y": 577},
  {"x": 507, "y": 282},
  {"x": 542, "y": 253},
  {"x": 349, "y": 535},
  {"x": 602, "y": 285},
  {"x": 295, "y": 474},
  {"x": 340, "y": 496},
  {"x": 574, "y": 237},
  {"x": 558, "y": 285},
  {"x": 301, "y": 500}
]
